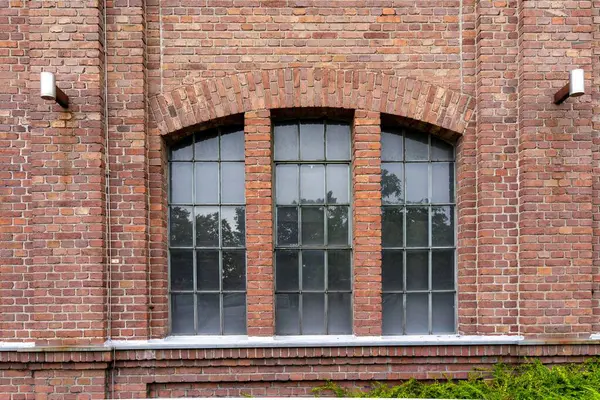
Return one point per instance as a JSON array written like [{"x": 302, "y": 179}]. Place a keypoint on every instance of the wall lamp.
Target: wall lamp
[
  {"x": 49, "y": 90},
  {"x": 575, "y": 87}
]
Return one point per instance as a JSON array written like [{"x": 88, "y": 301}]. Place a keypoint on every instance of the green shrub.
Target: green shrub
[{"x": 530, "y": 381}]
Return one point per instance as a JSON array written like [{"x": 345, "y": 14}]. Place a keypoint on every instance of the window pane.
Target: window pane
[
  {"x": 392, "y": 273},
  {"x": 207, "y": 226},
  {"x": 391, "y": 145},
  {"x": 442, "y": 186},
  {"x": 182, "y": 150},
  {"x": 181, "y": 232},
  {"x": 233, "y": 226},
  {"x": 442, "y": 226},
  {"x": 417, "y": 185},
  {"x": 417, "y": 313},
  {"x": 209, "y": 318},
  {"x": 207, "y": 145},
  {"x": 182, "y": 314},
  {"x": 417, "y": 270},
  {"x": 338, "y": 141},
  {"x": 313, "y": 313},
  {"x": 392, "y": 227},
  {"x": 392, "y": 314},
  {"x": 286, "y": 274},
  {"x": 182, "y": 270},
  {"x": 440, "y": 150},
  {"x": 312, "y": 141},
  {"x": 313, "y": 220},
  {"x": 339, "y": 313},
  {"x": 417, "y": 226},
  {"x": 392, "y": 178},
  {"x": 287, "y": 225},
  {"x": 207, "y": 270},
  {"x": 234, "y": 270},
  {"x": 287, "y": 316},
  {"x": 232, "y": 143},
  {"x": 337, "y": 225},
  {"x": 207, "y": 182},
  {"x": 312, "y": 184},
  {"x": 286, "y": 184},
  {"x": 234, "y": 313},
  {"x": 338, "y": 270},
  {"x": 181, "y": 182},
  {"x": 442, "y": 305},
  {"x": 286, "y": 142},
  {"x": 417, "y": 148},
  {"x": 442, "y": 269},
  {"x": 338, "y": 184},
  {"x": 313, "y": 270},
  {"x": 232, "y": 183}
]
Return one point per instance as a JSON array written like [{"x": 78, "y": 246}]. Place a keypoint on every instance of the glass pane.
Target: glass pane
[
  {"x": 338, "y": 270},
  {"x": 440, "y": 150},
  {"x": 233, "y": 226},
  {"x": 313, "y": 313},
  {"x": 287, "y": 225},
  {"x": 391, "y": 145},
  {"x": 232, "y": 143},
  {"x": 338, "y": 141},
  {"x": 181, "y": 232},
  {"x": 209, "y": 318},
  {"x": 207, "y": 270},
  {"x": 207, "y": 182},
  {"x": 181, "y": 182},
  {"x": 442, "y": 317},
  {"x": 182, "y": 314},
  {"x": 417, "y": 184},
  {"x": 392, "y": 232},
  {"x": 287, "y": 271},
  {"x": 442, "y": 269},
  {"x": 182, "y": 270},
  {"x": 392, "y": 178},
  {"x": 339, "y": 313},
  {"x": 337, "y": 225},
  {"x": 234, "y": 313},
  {"x": 393, "y": 313},
  {"x": 442, "y": 226},
  {"x": 287, "y": 316},
  {"x": 442, "y": 186},
  {"x": 338, "y": 184},
  {"x": 313, "y": 270},
  {"x": 417, "y": 315},
  {"x": 417, "y": 226},
  {"x": 286, "y": 184},
  {"x": 312, "y": 184},
  {"x": 313, "y": 220},
  {"x": 234, "y": 270},
  {"x": 182, "y": 150},
  {"x": 207, "y": 226},
  {"x": 207, "y": 145},
  {"x": 417, "y": 270},
  {"x": 232, "y": 183},
  {"x": 312, "y": 141},
  {"x": 392, "y": 274},
  {"x": 286, "y": 142},
  {"x": 417, "y": 147}
]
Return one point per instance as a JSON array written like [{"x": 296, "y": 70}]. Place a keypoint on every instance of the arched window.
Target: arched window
[
  {"x": 418, "y": 234},
  {"x": 207, "y": 232}
]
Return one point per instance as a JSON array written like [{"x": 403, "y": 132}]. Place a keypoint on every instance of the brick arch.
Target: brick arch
[{"x": 438, "y": 107}]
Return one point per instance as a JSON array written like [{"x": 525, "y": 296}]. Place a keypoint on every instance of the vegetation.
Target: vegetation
[{"x": 532, "y": 381}]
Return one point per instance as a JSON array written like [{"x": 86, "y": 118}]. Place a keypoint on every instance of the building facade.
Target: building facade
[{"x": 258, "y": 196}]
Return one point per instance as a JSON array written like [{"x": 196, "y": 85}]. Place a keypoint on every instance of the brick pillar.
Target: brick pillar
[
  {"x": 366, "y": 193},
  {"x": 595, "y": 88},
  {"x": 259, "y": 223}
]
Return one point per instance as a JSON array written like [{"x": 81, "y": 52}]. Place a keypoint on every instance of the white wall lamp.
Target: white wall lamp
[
  {"x": 575, "y": 87},
  {"x": 49, "y": 90}
]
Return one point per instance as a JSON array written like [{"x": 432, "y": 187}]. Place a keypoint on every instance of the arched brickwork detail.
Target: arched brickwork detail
[{"x": 440, "y": 108}]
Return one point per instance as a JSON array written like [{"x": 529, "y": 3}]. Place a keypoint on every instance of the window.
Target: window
[
  {"x": 418, "y": 275},
  {"x": 313, "y": 286},
  {"x": 207, "y": 234}
]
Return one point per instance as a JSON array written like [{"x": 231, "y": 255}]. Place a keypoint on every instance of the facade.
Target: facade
[{"x": 255, "y": 197}]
